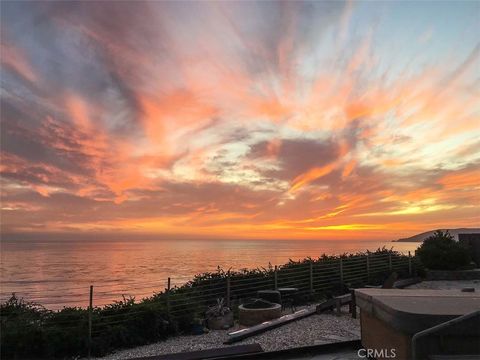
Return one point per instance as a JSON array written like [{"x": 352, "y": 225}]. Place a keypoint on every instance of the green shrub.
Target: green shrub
[
  {"x": 441, "y": 252},
  {"x": 21, "y": 327}
]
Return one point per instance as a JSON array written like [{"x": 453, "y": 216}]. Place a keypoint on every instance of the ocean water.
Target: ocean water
[{"x": 59, "y": 273}]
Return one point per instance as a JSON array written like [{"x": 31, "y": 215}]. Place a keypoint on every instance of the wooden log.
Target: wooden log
[
  {"x": 332, "y": 303},
  {"x": 268, "y": 325},
  {"x": 400, "y": 284}
]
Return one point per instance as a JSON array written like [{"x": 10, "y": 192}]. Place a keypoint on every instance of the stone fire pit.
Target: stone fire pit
[{"x": 258, "y": 311}]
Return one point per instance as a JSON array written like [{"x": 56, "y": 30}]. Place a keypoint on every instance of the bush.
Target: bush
[
  {"x": 441, "y": 252},
  {"x": 24, "y": 326}
]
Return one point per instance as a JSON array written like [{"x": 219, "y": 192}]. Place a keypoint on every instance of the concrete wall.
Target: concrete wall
[{"x": 381, "y": 337}]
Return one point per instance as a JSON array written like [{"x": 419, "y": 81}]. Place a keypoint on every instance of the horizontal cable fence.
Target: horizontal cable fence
[{"x": 98, "y": 330}]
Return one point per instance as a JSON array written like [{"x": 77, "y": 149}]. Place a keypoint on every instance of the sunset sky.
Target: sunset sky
[{"x": 265, "y": 120}]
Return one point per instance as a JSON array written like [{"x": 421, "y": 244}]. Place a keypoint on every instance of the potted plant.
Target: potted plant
[
  {"x": 198, "y": 325},
  {"x": 219, "y": 316}
]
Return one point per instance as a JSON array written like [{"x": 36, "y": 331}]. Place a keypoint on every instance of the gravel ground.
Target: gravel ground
[
  {"x": 447, "y": 285},
  {"x": 313, "y": 330}
]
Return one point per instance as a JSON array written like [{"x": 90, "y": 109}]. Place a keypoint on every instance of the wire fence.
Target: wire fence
[{"x": 173, "y": 308}]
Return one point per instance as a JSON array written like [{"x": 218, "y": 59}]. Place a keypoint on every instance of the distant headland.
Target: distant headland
[{"x": 453, "y": 232}]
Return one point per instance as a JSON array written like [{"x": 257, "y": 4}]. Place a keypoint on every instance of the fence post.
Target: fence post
[
  {"x": 409, "y": 263},
  {"x": 341, "y": 270},
  {"x": 90, "y": 310},
  {"x": 275, "y": 278},
  {"x": 228, "y": 289},
  {"x": 311, "y": 276},
  {"x": 368, "y": 268},
  {"x": 168, "y": 297},
  {"x": 390, "y": 261}
]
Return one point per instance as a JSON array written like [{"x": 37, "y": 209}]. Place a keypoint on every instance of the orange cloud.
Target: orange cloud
[
  {"x": 347, "y": 170},
  {"x": 311, "y": 175},
  {"x": 469, "y": 179}
]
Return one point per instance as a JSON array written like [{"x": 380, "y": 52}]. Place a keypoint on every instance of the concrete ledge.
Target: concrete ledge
[
  {"x": 413, "y": 310},
  {"x": 390, "y": 318},
  {"x": 453, "y": 275}
]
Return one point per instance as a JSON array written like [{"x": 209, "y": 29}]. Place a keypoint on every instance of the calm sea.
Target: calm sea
[{"x": 59, "y": 273}]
